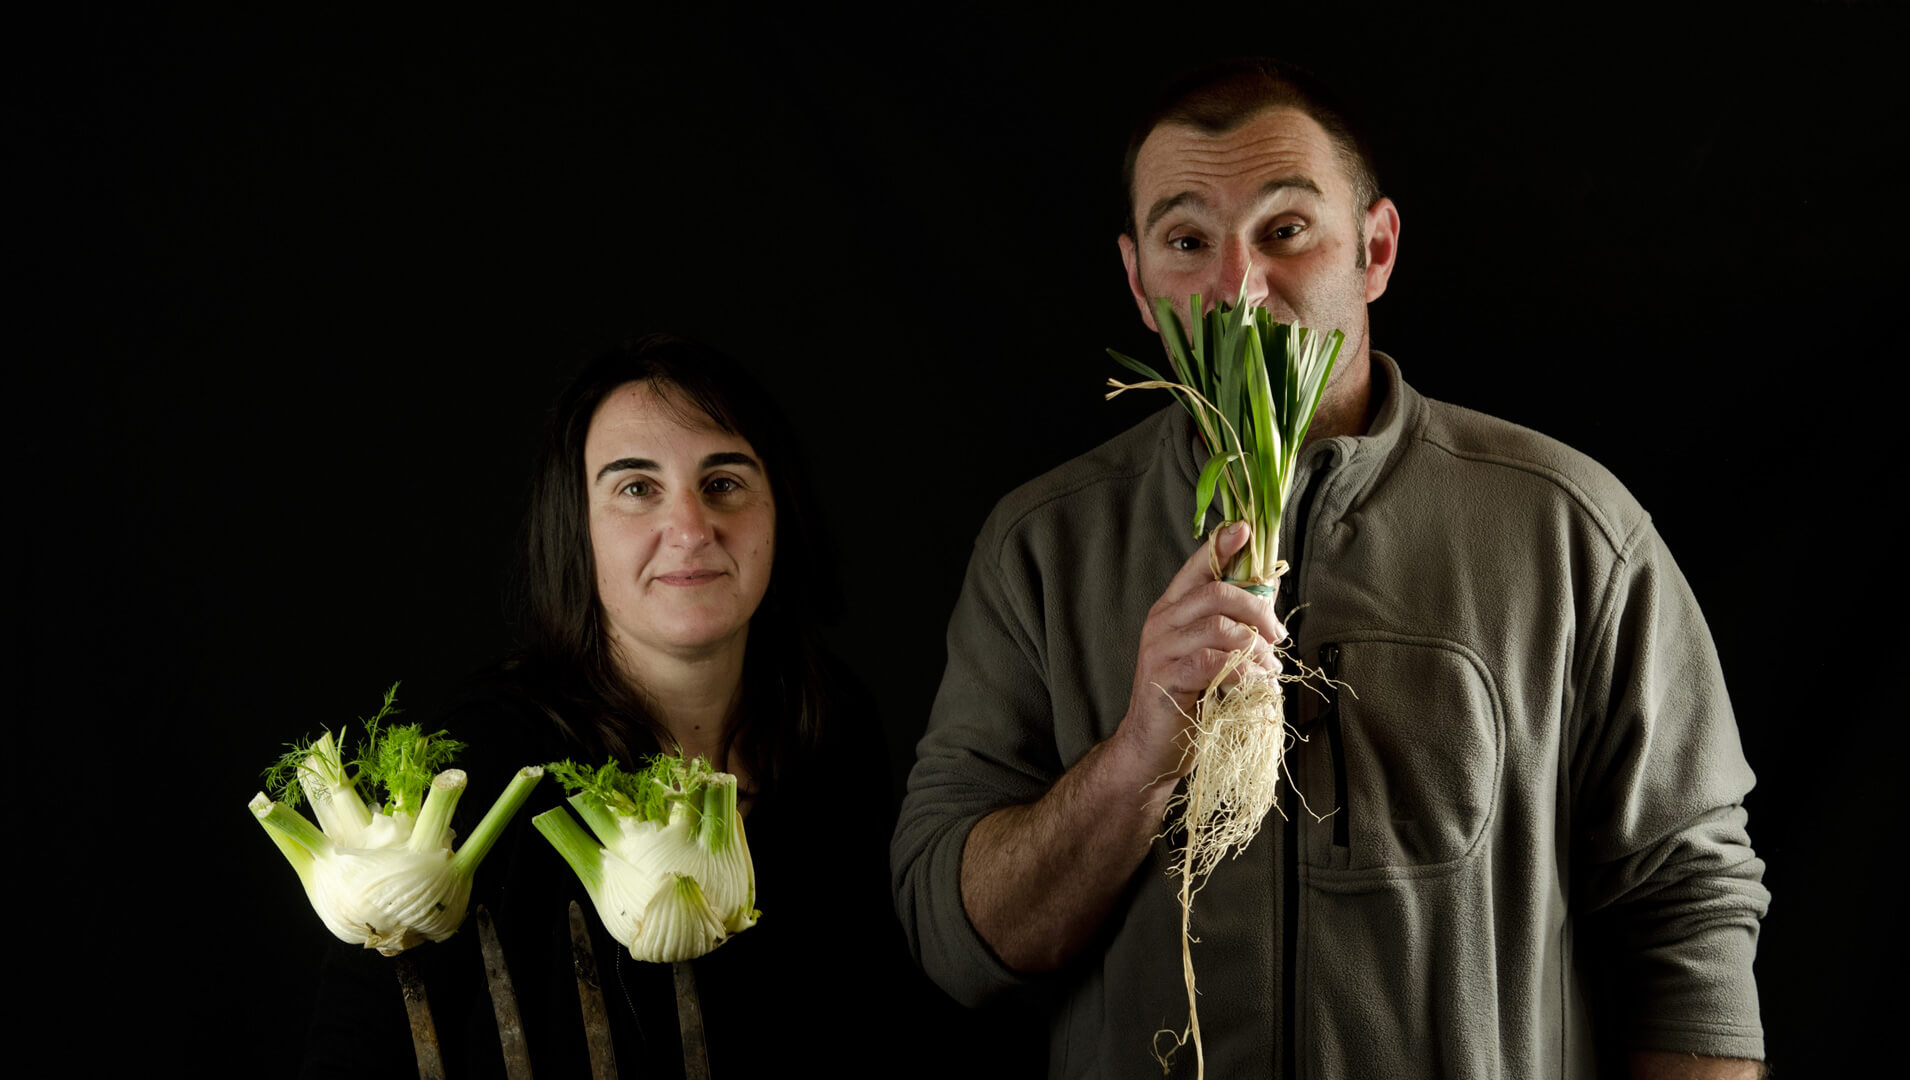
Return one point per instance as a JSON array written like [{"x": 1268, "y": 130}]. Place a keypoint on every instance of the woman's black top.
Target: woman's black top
[{"x": 823, "y": 979}]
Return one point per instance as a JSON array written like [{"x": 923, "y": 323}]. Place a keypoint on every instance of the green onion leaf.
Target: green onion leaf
[
  {"x": 1136, "y": 366},
  {"x": 1204, "y": 490}
]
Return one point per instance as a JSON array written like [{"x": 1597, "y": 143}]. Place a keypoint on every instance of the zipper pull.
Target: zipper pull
[{"x": 1328, "y": 695}]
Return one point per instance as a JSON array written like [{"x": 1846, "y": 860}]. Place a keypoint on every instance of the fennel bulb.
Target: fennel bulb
[
  {"x": 669, "y": 869},
  {"x": 384, "y": 877}
]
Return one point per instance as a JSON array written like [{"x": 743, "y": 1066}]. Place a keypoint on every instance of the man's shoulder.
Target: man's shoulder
[
  {"x": 1515, "y": 458},
  {"x": 1101, "y": 481}
]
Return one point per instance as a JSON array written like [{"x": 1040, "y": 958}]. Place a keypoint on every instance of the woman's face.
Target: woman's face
[{"x": 682, "y": 525}]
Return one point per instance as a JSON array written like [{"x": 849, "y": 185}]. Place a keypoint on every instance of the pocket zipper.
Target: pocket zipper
[{"x": 1330, "y": 717}]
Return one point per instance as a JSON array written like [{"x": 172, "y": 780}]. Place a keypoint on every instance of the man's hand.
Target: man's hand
[
  {"x": 1189, "y": 634},
  {"x": 1039, "y": 879}
]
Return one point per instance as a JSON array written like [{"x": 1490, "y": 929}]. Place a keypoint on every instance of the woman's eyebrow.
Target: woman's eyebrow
[
  {"x": 731, "y": 457},
  {"x": 724, "y": 457},
  {"x": 626, "y": 463}
]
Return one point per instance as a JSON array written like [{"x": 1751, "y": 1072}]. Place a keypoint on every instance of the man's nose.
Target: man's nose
[{"x": 1238, "y": 262}]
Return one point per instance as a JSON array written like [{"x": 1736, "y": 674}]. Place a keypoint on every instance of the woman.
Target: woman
[
  {"x": 669, "y": 590},
  {"x": 666, "y": 536}
]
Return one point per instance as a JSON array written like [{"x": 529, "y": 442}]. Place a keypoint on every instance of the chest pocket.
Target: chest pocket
[{"x": 1409, "y": 756}]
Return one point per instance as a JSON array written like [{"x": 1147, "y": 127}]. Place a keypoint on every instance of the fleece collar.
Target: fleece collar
[{"x": 1355, "y": 460}]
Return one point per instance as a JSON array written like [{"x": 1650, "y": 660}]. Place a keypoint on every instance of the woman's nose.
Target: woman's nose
[{"x": 687, "y": 524}]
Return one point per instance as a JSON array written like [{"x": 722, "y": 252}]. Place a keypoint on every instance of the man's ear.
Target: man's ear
[
  {"x": 1382, "y": 247},
  {"x": 1130, "y": 257}
]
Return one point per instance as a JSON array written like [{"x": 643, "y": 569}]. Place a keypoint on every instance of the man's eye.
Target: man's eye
[
  {"x": 638, "y": 488},
  {"x": 1289, "y": 230},
  {"x": 1184, "y": 243}
]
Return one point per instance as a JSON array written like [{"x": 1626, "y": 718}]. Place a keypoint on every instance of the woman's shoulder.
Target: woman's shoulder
[
  {"x": 498, "y": 713},
  {"x": 505, "y": 702},
  {"x": 851, "y": 735}
]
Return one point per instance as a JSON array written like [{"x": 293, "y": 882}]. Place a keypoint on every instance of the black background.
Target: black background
[{"x": 299, "y": 288}]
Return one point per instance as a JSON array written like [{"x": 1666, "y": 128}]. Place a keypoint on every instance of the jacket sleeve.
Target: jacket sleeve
[
  {"x": 1665, "y": 877},
  {"x": 990, "y": 743}
]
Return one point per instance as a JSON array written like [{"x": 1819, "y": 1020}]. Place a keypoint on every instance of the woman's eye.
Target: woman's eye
[
  {"x": 722, "y": 485},
  {"x": 638, "y": 488}
]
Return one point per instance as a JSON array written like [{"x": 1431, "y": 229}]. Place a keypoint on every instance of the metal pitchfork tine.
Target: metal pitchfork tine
[
  {"x": 603, "y": 1056},
  {"x": 424, "y": 1034},
  {"x": 510, "y": 1025},
  {"x": 689, "y": 1017}
]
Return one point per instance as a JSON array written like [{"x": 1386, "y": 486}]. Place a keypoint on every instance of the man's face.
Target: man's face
[{"x": 1268, "y": 202}]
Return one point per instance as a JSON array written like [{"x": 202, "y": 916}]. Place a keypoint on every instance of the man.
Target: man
[{"x": 1536, "y": 853}]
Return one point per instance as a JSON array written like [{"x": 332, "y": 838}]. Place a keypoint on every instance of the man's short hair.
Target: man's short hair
[{"x": 1219, "y": 97}]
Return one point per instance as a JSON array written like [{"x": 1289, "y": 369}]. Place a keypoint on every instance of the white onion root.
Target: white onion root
[{"x": 1238, "y": 744}]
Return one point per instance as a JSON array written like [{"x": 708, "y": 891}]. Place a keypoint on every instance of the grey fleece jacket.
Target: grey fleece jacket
[{"x": 1536, "y": 841}]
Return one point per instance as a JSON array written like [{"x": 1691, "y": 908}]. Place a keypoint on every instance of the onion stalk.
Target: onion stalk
[
  {"x": 1252, "y": 385},
  {"x": 383, "y": 876}
]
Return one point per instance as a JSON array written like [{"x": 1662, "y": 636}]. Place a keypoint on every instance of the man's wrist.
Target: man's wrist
[{"x": 1128, "y": 768}]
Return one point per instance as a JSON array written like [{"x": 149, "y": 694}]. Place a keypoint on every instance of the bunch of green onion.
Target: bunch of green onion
[
  {"x": 1252, "y": 418},
  {"x": 1252, "y": 385}
]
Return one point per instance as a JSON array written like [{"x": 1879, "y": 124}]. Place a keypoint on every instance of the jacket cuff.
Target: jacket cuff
[{"x": 943, "y": 939}]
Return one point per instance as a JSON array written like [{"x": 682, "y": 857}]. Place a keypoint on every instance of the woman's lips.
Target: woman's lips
[{"x": 690, "y": 577}]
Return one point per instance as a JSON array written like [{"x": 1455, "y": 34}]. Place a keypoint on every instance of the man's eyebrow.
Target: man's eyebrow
[
  {"x": 1163, "y": 207},
  {"x": 1300, "y": 182},
  {"x": 711, "y": 461}
]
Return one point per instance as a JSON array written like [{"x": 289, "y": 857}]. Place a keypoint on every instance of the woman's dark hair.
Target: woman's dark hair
[{"x": 567, "y": 662}]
